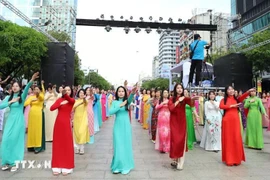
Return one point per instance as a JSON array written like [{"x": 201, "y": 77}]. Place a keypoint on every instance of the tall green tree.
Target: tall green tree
[
  {"x": 21, "y": 49},
  {"x": 60, "y": 36},
  {"x": 160, "y": 83},
  {"x": 97, "y": 80},
  {"x": 260, "y": 56}
]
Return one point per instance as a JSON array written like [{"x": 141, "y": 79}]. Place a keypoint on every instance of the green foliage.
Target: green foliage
[
  {"x": 96, "y": 80},
  {"x": 78, "y": 73},
  {"x": 259, "y": 56},
  {"x": 21, "y": 49},
  {"x": 160, "y": 83},
  {"x": 60, "y": 36}
]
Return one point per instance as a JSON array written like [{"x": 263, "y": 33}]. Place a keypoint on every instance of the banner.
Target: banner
[{"x": 165, "y": 71}]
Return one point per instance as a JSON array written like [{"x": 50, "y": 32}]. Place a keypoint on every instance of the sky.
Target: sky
[{"x": 119, "y": 56}]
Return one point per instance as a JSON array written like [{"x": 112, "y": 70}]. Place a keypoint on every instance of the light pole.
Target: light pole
[{"x": 89, "y": 71}]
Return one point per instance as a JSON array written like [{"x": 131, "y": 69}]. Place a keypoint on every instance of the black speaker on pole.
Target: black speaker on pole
[
  {"x": 58, "y": 67},
  {"x": 233, "y": 69}
]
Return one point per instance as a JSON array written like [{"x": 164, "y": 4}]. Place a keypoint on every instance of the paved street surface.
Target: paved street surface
[{"x": 150, "y": 164}]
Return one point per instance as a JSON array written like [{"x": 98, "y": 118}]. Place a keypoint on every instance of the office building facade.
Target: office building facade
[{"x": 251, "y": 16}]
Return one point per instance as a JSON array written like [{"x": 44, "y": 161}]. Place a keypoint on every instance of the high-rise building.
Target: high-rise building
[
  {"x": 251, "y": 16},
  {"x": 167, "y": 50},
  {"x": 155, "y": 64},
  {"x": 60, "y": 14}
]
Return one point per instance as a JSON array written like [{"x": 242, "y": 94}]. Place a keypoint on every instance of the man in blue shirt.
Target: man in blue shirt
[{"x": 197, "y": 47}]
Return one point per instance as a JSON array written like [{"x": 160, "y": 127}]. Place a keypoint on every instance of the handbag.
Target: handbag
[{"x": 192, "y": 52}]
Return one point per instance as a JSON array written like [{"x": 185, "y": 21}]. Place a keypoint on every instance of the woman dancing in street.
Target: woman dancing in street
[
  {"x": 14, "y": 131},
  {"x": 123, "y": 160},
  {"x": 62, "y": 146}
]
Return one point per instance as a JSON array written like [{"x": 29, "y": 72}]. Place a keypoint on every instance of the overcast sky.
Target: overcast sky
[{"x": 119, "y": 56}]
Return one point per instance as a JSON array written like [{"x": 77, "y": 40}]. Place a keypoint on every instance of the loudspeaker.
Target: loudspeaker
[
  {"x": 233, "y": 69},
  {"x": 58, "y": 66}
]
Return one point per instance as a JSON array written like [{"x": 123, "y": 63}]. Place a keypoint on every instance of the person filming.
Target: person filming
[{"x": 197, "y": 57}]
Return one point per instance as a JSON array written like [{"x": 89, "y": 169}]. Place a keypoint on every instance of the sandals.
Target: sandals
[
  {"x": 174, "y": 164},
  {"x": 56, "y": 173},
  {"x": 13, "y": 169},
  {"x": 65, "y": 174},
  {"x": 4, "y": 168}
]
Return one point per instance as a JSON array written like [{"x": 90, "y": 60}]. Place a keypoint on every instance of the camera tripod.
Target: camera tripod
[{"x": 205, "y": 68}]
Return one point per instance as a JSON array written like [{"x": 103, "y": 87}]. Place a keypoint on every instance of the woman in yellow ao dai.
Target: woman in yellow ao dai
[
  {"x": 36, "y": 134},
  {"x": 80, "y": 123},
  {"x": 146, "y": 109}
]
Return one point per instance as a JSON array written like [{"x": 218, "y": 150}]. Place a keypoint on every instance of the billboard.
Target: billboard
[{"x": 165, "y": 71}]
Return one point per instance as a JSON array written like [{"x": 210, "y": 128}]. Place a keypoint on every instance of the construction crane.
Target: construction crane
[{"x": 26, "y": 19}]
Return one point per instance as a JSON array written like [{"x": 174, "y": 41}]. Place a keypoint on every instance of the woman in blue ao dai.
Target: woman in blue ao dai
[
  {"x": 14, "y": 131},
  {"x": 123, "y": 160}
]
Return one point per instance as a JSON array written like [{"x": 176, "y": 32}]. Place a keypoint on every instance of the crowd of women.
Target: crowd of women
[
  {"x": 225, "y": 116},
  {"x": 50, "y": 115},
  {"x": 169, "y": 117}
]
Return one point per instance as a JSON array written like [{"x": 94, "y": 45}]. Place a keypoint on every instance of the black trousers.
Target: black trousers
[{"x": 195, "y": 64}]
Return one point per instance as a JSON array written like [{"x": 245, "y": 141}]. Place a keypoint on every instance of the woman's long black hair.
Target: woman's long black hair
[
  {"x": 209, "y": 93},
  {"x": 71, "y": 94},
  {"x": 226, "y": 98},
  {"x": 125, "y": 96},
  {"x": 175, "y": 93},
  {"x": 161, "y": 96},
  {"x": 78, "y": 95},
  {"x": 19, "y": 95}
]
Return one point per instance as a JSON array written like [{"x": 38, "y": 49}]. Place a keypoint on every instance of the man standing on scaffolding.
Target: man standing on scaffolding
[{"x": 197, "y": 58}]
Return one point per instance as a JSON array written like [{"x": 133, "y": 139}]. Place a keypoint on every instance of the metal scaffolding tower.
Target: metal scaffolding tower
[{"x": 26, "y": 19}]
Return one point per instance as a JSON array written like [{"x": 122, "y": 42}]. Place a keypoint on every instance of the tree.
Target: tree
[
  {"x": 78, "y": 73},
  {"x": 21, "y": 49},
  {"x": 97, "y": 80},
  {"x": 259, "y": 56},
  {"x": 160, "y": 83},
  {"x": 61, "y": 36}
]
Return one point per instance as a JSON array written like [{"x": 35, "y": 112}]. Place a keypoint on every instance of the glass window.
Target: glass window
[
  {"x": 21, "y": 3},
  {"x": 35, "y": 2}
]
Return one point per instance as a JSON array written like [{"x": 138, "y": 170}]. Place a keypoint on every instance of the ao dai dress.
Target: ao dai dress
[
  {"x": 123, "y": 160},
  {"x": 211, "y": 139},
  {"x": 146, "y": 111},
  {"x": 103, "y": 106},
  {"x": 36, "y": 134},
  {"x": 50, "y": 116},
  {"x": 254, "y": 131},
  {"x": 232, "y": 146},
  {"x": 265, "y": 122},
  {"x": 80, "y": 123},
  {"x": 191, "y": 136},
  {"x": 14, "y": 130},
  {"x": 163, "y": 128},
  {"x": 62, "y": 146},
  {"x": 90, "y": 115}
]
